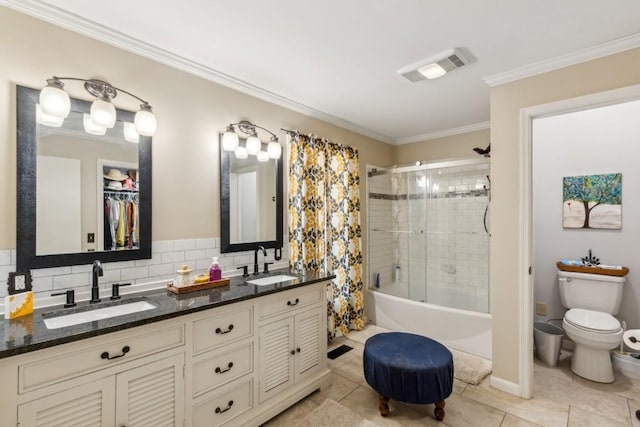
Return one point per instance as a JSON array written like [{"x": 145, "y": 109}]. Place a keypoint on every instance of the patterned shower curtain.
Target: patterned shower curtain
[{"x": 324, "y": 224}]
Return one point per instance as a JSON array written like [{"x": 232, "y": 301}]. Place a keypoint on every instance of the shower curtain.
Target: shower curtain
[{"x": 324, "y": 224}]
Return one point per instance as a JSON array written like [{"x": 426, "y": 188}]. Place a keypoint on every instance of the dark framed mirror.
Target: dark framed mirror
[
  {"x": 80, "y": 197},
  {"x": 250, "y": 203}
]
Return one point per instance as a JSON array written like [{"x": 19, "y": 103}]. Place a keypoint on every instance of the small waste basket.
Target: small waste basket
[{"x": 548, "y": 339}]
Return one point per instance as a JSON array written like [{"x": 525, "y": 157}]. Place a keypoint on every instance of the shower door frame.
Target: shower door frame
[{"x": 412, "y": 167}]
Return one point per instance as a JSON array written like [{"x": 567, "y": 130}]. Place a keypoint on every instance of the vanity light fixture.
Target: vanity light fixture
[
  {"x": 55, "y": 102},
  {"x": 253, "y": 145}
]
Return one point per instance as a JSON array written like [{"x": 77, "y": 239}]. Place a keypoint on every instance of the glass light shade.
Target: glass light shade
[
  {"x": 229, "y": 141},
  {"x": 432, "y": 71},
  {"x": 55, "y": 102},
  {"x": 146, "y": 123},
  {"x": 103, "y": 113},
  {"x": 274, "y": 150},
  {"x": 241, "y": 153},
  {"x": 130, "y": 133},
  {"x": 47, "y": 120},
  {"x": 91, "y": 127},
  {"x": 262, "y": 156},
  {"x": 253, "y": 145}
]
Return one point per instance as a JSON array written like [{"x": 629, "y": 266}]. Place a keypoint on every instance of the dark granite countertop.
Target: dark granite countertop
[{"x": 29, "y": 333}]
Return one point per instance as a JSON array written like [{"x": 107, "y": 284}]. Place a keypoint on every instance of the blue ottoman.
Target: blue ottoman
[{"x": 409, "y": 368}]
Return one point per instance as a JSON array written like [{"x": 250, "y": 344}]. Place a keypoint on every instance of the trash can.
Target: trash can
[{"x": 547, "y": 339}]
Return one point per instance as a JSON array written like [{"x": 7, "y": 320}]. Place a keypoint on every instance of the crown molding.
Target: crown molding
[
  {"x": 598, "y": 51},
  {"x": 440, "y": 134},
  {"x": 75, "y": 23}
]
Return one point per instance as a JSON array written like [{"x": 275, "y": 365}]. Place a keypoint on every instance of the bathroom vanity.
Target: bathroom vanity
[{"x": 234, "y": 355}]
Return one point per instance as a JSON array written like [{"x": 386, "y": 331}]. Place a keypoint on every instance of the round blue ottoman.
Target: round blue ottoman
[{"x": 409, "y": 368}]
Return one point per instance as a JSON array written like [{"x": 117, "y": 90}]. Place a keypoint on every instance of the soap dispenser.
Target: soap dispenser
[{"x": 215, "y": 273}]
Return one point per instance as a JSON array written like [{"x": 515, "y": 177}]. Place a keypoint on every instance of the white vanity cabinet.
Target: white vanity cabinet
[
  {"x": 95, "y": 382},
  {"x": 233, "y": 365},
  {"x": 293, "y": 339}
]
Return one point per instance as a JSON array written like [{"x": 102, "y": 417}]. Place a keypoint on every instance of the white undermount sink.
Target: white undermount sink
[
  {"x": 271, "y": 280},
  {"x": 97, "y": 314}
]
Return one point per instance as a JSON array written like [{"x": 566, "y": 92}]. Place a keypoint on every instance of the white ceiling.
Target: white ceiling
[{"x": 337, "y": 59}]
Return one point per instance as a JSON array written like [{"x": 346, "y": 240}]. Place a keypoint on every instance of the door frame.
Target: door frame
[{"x": 527, "y": 236}]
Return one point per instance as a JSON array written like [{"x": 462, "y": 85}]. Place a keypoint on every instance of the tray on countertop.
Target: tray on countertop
[
  {"x": 197, "y": 286},
  {"x": 592, "y": 270}
]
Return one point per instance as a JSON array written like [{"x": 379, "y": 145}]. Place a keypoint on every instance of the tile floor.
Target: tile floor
[{"x": 560, "y": 399}]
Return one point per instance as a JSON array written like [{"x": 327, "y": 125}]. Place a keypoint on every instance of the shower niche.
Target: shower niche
[{"x": 428, "y": 233}]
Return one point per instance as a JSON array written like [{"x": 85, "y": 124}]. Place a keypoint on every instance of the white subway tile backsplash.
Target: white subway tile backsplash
[
  {"x": 162, "y": 246},
  {"x": 167, "y": 256},
  {"x": 5, "y": 257},
  {"x": 195, "y": 254},
  {"x": 206, "y": 243},
  {"x": 134, "y": 273},
  {"x": 66, "y": 281},
  {"x": 172, "y": 257},
  {"x": 184, "y": 245}
]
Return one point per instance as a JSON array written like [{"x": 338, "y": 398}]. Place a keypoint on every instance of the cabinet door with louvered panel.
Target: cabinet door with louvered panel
[
  {"x": 308, "y": 327},
  {"x": 89, "y": 405},
  {"x": 151, "y": 395},
  {"x": 276, "y": 358}
]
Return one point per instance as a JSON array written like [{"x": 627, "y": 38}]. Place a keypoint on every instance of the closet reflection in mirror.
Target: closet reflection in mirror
[
  {"x": 61, "y": 183},
  {"x": 86, "y": 189}
]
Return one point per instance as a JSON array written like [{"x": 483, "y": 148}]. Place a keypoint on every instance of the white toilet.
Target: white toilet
[{"x": 592, "y": 300}]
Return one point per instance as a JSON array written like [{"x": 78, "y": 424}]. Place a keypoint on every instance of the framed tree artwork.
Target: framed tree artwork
[{"x": 592, "y": 201}]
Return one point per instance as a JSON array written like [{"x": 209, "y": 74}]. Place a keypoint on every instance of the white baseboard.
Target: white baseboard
[{"x": 506, "y": 386}]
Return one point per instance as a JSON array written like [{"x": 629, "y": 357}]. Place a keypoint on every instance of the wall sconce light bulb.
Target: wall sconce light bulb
[{"x": 103, "y": 113}]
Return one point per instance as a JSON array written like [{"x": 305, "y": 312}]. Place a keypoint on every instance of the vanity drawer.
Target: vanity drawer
[
  {"x": 226, "y": 405},
  {"x": 291, "y": 300},
  {"x": 85, "y": 359},
  {"x": 216, "y": 369},
  {"x": 214, "y": 331}
]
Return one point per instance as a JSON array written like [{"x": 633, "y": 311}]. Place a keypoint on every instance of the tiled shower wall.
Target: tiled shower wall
[
  {"x": 430, "y": 225},
  {"x": 167, "y": 257}
]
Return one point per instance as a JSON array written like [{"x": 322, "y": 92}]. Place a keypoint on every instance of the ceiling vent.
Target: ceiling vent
[{"x": 434, "y": 66}]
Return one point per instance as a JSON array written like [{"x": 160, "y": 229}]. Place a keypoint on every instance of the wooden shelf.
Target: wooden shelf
[{"x": 593, "y": 270}]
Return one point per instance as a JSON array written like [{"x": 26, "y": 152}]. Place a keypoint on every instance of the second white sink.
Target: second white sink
[
  {"x": 97, "y": 314},
  {"x": 271, "y": 280}
]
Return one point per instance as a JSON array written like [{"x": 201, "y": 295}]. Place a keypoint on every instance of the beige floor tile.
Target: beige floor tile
[
  {"x": 339, "y": 388},
  {"x": 513, "y": 421},
  {"x": 294, "y": 413},
  {"x": 580, "y": 418},
  {"x": 364, "y": 402},
  {"x": 462, "y": 411},
  {"x": 634, "y": 405},
  {"x": 622, "y": 386},
  {"x": 582, "y": 394},
  {"x": 562, "y": 370},
  {"x": 352, "y": 370},
  {"x": 458, "y": 386},
  {"x": 538, "y": 410}
]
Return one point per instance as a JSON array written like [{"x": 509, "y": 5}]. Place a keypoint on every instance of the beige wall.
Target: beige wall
[
  {"x": 191, "y": 112},
  {"x": 448, "y": 147},
  {"x": 506, "y": 102}
]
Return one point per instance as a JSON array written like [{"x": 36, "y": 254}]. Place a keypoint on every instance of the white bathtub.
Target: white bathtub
[{"x": 463, "y": 330}]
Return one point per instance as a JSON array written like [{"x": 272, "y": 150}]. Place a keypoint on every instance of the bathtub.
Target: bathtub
[{"x": 463, "y": 330}]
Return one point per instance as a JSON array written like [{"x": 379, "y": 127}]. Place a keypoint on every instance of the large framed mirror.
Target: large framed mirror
[
  {"x": 80, "y": 197},
  {"x": 250, "y": 203}
]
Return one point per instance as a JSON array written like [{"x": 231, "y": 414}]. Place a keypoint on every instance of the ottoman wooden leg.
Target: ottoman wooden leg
[
  {"x": 384, "y": 406},
  {"x": 439, "y": 411}
]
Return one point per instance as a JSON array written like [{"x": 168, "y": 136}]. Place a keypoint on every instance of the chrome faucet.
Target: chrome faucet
[
  {"x": 95, "y": 290},
  {"x": 255, "y": 258}
]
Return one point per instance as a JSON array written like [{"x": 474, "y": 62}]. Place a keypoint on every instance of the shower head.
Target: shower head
[{"x": 486, "y": 152}]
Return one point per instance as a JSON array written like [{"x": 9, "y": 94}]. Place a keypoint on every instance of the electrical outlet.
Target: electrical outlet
[
  {"x": 91, "y": 237},
  {"x": 541, "y": 308}
]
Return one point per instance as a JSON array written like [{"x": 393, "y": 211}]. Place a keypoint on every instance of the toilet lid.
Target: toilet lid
[{"x": 594, "y": 320}]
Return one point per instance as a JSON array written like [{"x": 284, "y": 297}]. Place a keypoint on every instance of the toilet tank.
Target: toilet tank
[{"x": 591, "y": 291}]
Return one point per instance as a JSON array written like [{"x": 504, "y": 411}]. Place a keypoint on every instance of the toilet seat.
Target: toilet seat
[{"x": 592, "y": 321}]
